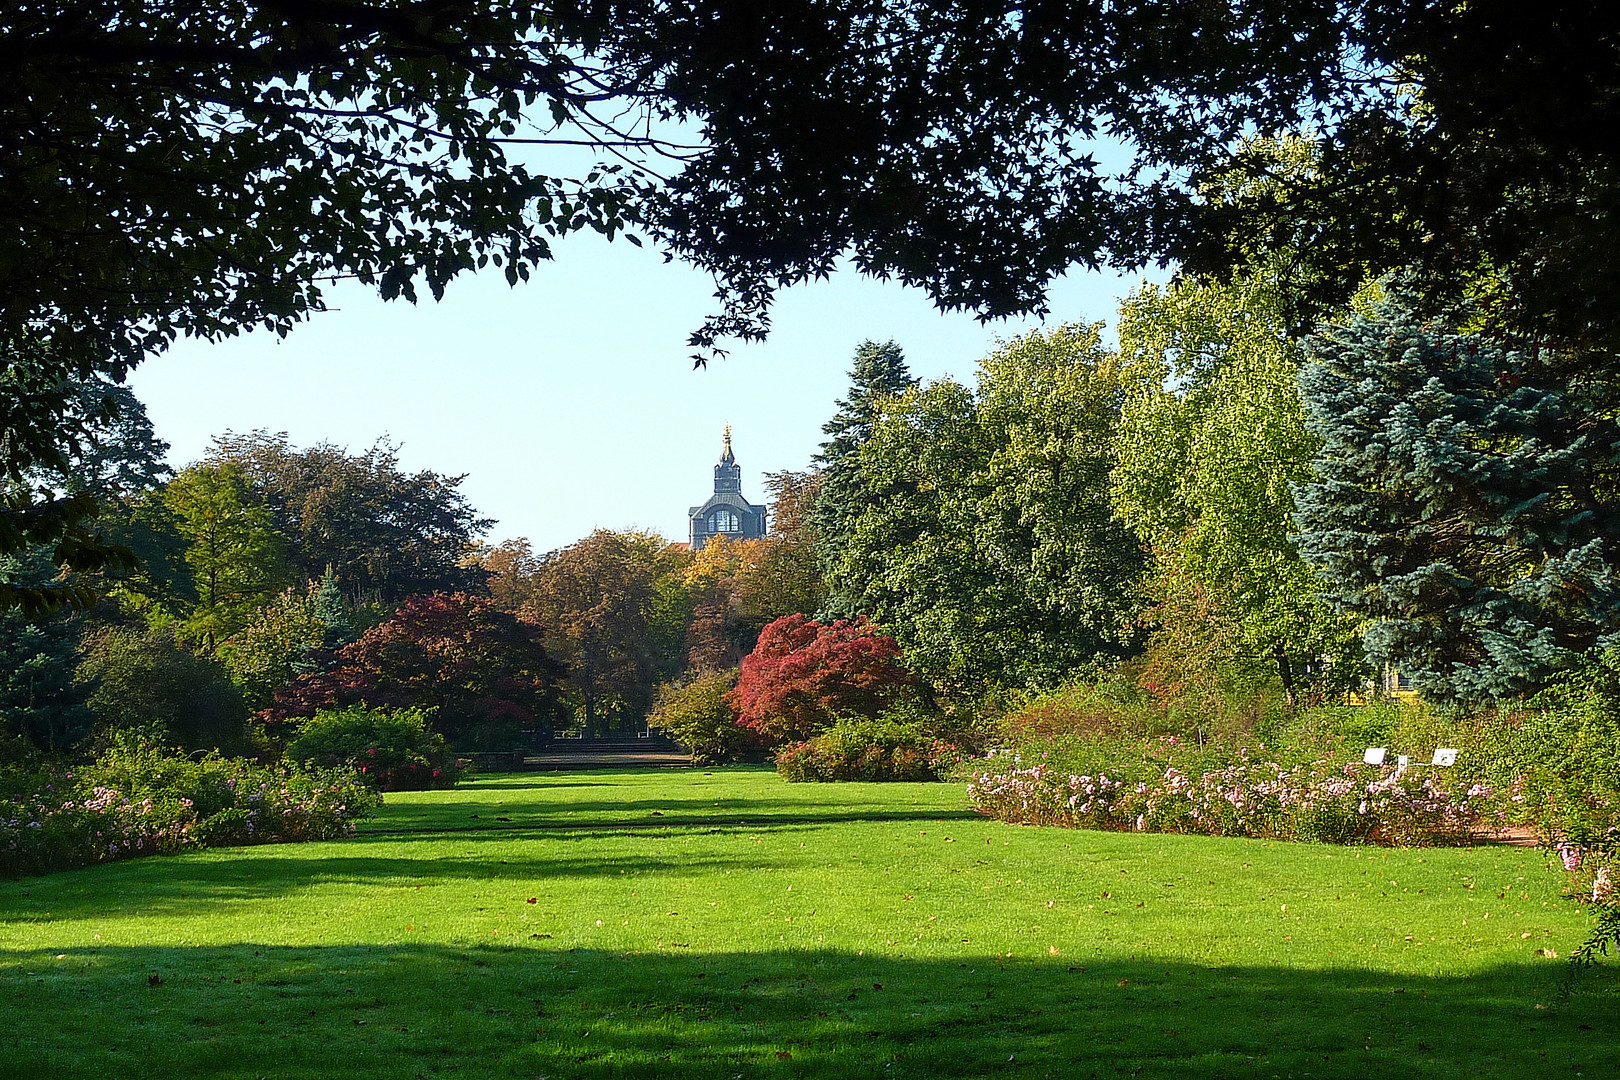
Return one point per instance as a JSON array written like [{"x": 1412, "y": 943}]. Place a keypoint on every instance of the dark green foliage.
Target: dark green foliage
[
  {"x": 1460, "y": 503},
  {"x": 987, "y": 544},
  {"x": 381, "y": 533},
  {"x": 392, "y": 750},
  {"x": 38, "y": 698},
  {"x": 879, "y": 373},
  {"x": 69, "y": 441},
  {"x": 145, "y": 681},
  {"x": 117, "y": 454}
]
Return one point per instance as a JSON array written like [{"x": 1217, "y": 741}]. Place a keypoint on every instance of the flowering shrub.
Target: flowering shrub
[
  {"x": 1324, "y": 800},
  {"x": 861, "y": 749},
  {"x": 136, "y": 799},
  {"x": 391, "y": 750}
]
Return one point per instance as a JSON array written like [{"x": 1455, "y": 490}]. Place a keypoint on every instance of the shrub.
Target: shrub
[
  {"x": 136, "y": 798},
  {"x": 391, "y": 750},
  {"x": 802, "y": 674},
  {"x": 857, "y": 748},
  {"x": 697, "y": 714},
  {"x": 1166, "y": 786},
  {"x": 145, "y": 681},
  {"x": 1566, "y": 762}
]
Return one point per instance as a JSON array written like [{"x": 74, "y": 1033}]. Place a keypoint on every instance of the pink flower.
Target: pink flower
[{"x": 1571, "y": 856}]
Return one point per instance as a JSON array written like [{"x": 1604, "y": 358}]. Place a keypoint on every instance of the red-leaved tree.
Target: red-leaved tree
[
  {"x": 484, "y": 671},
  {"x": 802, "y": 674}
]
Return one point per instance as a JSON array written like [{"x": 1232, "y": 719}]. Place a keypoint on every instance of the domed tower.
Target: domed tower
[{"x": 726, "y": 513}]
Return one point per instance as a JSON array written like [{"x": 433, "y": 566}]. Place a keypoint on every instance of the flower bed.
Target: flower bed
[
  {"x": 138, "y": 800},
  {"x": 1324, "y": 800}
]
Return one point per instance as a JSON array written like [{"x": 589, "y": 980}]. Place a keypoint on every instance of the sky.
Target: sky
[{"x": 570, "y": 401}]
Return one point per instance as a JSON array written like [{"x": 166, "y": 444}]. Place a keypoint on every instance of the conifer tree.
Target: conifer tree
[
  {"x": 38, "y": 698},
  {"x": 879, "y": 373},
  {"x": 1459, "y": 503}
]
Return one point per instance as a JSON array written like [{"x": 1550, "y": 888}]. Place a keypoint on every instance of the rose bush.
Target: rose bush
[
  {"x": 391, "y": 749},
  {"x": 1327, "y": 800}
]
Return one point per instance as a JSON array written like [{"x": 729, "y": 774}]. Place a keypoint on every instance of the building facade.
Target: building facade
[{"x": 726, "y": 513}]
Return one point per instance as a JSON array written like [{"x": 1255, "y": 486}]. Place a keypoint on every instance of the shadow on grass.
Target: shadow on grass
[
  {"x": 459, "y": 811},
  {"x": 194, "y": 886},
  {"x": 529, "y": 1011}
]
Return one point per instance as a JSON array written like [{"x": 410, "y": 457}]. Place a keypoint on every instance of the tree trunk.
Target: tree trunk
[{"x": 1285, "y": 671}]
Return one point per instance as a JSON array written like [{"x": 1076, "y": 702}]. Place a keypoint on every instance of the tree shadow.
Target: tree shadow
[
  {"x": 472, "y": 811},
  {"x": 531, "y": 1010},
  {"x": 193, "y": 887}
]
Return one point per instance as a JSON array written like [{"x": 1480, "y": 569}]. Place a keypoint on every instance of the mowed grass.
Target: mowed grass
[{"x": 725, "y": 924}]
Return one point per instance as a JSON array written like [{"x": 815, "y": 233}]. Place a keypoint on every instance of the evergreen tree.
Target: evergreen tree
[
  {"x": 1460, "y": 503},
  {"x": 38, "y": 698},
  {"x": 879, "y": 373}
]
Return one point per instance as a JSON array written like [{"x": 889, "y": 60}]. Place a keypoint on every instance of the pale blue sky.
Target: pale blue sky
[{"x": 569, "y": 401}]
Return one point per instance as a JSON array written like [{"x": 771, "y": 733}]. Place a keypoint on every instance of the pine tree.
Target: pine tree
[
  {"x": 39, "y": 700},
  {"x": 1458, "y": 503},
  {"x": 879, "y": 373}
]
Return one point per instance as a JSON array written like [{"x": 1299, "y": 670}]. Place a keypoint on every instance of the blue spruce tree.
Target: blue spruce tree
[{"x": 1461, "y": 504}]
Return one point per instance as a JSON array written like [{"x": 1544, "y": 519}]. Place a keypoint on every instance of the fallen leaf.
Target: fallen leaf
[
  {"x": 784, "y": 1055},
  {"x": 154, "y": 980},
  {"x": 532, "y": 900}
]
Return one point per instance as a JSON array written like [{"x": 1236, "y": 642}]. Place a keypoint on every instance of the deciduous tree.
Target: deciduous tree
[
  {"x": 235, "y": 554},
  {"x": 615, "y": 613},
  {"x": 1212, "y": 443},
  {"x": 486, "y": 672},
  {"x": 988, "y": 547},
  {"x": 384, "y": 534},
  {"x": 803, "y": 674}
]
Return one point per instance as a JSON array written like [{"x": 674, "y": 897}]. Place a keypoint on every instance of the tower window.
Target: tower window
[{"x": 724, "y": 521}]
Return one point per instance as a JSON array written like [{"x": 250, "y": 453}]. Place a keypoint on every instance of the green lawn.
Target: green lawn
[{"x": 689, "y": 924}]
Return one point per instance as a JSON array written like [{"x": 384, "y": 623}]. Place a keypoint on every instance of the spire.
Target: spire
[{"x": 727, "y": 473}]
